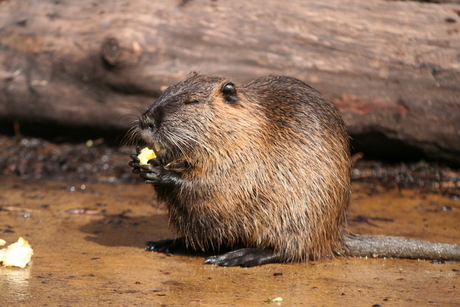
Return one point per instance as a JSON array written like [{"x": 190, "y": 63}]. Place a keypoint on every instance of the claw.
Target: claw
[
  {"x": 148, "y": 168},
  {"x": 134, "y": 164},
  {"x": 245, "y": 257},
  {"x": 135, "y": 158},
  {"x": 154, "y": 162},
  {"x": 168, "y": 246}
]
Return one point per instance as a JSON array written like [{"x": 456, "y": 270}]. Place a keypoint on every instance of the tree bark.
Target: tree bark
[{"x": 391, "y": 68}]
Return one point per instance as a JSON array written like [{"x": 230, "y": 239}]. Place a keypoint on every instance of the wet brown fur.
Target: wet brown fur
[{"x": 270, "y": 170}]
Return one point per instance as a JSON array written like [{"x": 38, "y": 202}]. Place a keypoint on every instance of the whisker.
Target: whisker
[
  {"x": 131, "y": 136},
  {"x": 188, "y": 140}
]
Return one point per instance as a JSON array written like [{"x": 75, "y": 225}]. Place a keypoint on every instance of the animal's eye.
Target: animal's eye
[
  {"x": 229, "y": 92},
  {"x": 192, "y": 101}
]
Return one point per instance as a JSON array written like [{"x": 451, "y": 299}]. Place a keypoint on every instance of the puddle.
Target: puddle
[{"x": 96, "y": 258}]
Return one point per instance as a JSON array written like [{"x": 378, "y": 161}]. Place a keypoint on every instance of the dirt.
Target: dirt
[
  {"x": 87, "y": 227},
  {"x": 38, "y": 159}
]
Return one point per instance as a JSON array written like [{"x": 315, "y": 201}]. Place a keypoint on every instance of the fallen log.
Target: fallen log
[{"x": 86, "y": 67}]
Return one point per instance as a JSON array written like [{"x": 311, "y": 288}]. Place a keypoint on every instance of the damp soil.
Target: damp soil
[{"x": 86, "y": 217}]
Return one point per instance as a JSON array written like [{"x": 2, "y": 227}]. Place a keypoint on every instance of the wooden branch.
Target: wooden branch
[{"x": 392, "y": 68}]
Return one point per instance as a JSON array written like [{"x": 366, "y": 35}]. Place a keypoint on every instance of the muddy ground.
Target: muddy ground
[{"x": 86, "y": 217}]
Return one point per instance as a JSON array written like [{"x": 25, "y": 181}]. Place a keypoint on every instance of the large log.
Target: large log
[{"x": 392, "y": 68}]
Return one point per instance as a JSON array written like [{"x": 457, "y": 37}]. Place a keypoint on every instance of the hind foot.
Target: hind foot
[
  {"x": 168, "y": 246},
  {"x": 245, "y": 257}
]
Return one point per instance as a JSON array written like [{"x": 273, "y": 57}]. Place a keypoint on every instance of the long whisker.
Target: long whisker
[
  {"x": 188, "y": 140},
  {"x": 132, "y": 136},
  {"x": 178, "y": 143}
]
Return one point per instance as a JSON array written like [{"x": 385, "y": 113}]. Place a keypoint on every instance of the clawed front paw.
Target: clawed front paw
[
  {"x": 135, "y": 161},
  {"x": 151, "y": 172}
]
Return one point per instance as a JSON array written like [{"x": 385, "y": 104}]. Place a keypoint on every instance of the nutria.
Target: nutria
[{"x": 260, "y": 170}]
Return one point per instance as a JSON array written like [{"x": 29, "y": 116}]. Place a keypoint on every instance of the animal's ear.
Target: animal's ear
[{"x": 229, "y": 92}]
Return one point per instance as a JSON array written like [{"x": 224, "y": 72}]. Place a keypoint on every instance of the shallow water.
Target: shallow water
[{"x": 96, "y": 257}]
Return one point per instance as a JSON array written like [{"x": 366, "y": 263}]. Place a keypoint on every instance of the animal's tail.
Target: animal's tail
[{"x": 394, "y": 247}]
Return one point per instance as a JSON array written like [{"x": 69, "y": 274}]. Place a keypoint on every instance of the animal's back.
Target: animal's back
[{"x": 308, "y": 167}]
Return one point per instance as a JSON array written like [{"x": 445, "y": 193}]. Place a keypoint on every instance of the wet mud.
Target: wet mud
[
  {"x": 87, "y": 241},
  {"x": 87, "y": 230}
]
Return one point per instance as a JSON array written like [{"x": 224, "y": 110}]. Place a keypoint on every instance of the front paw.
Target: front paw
[
  {"x": 152, "y": 173},
  {"x": 135, "y": 163},
  {"x": 158, "y": 175}
]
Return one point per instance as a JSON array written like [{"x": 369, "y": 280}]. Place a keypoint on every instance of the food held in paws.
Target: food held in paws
[{"x": 146, "y": 155}]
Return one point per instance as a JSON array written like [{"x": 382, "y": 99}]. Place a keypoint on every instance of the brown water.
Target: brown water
[{"x": 96, "y": 257}]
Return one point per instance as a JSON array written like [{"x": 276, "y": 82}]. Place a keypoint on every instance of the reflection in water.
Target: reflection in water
[{"x": 14, "y": 285}]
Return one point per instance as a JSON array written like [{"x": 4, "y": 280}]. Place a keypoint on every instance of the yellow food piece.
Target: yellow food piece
[
  {"x": 145, "y": 155},
  {"x": 2, "y": 242},
  {"x": 17, "y": 254}
]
